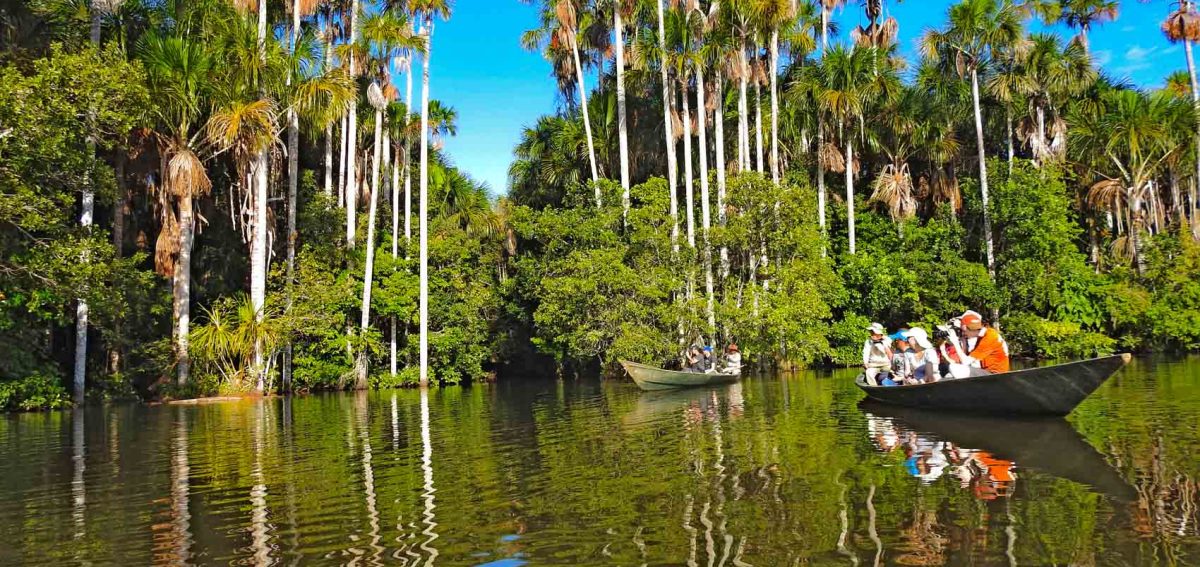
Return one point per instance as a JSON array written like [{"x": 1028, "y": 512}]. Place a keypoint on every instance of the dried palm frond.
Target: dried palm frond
[
  {"x": 1105, "y": 194},
  {"x": 375, "y": 97},
  {"x": 1182, "y": 25},
  {"x": 923, "y": 190},
  {"x": 246, "y": 6},
  {"x": 945, "y": 189},
  {"x": 107, "y": 7},
  {"x": 831, "y": 158},
  {"x": 306, "y": 7},
  {"x": 185, "y": 175},
  {"x": 1122, "y": 248},
  {"x": 166, "y": 248},
  {"x": 390, "y": 92},
  {"x": 245, "y": 127},
  {"x": 676, "y": 124},
  {"x": 564, "y": 11},
  {"x": 893, "y": 188}
]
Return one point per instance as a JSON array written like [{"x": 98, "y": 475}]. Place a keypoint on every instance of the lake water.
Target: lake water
[{"x": 771, "y": 471}]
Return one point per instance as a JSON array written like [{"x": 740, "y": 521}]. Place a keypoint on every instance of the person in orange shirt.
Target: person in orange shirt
[{"x": 984, "y": 345}]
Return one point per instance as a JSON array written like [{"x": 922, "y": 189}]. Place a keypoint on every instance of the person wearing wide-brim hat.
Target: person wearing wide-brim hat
[
  {"x": 733, "y": 360},
  {"x": 877, "y": 354},
  {"x": 925, "y": 360}
]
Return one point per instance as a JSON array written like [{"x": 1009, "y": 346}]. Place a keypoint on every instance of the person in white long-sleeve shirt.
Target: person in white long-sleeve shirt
[{"x": 877, "y": 354}]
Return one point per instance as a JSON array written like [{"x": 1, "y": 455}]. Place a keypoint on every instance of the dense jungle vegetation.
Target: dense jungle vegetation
[{"x": 199, "y": 196}]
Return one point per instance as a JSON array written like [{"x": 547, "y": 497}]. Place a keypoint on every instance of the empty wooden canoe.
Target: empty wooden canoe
[
  {"x": 651, "y": 378},
  {"x": 1047, "y": 390}
]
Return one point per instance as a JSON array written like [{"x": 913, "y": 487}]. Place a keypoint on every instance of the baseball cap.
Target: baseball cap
[{"x": 877, "y": 329}]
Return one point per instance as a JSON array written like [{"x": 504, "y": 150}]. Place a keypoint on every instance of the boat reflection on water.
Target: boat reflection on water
[
  {"x": 985, "y": 453},
  {"x": 698, "y": 404}
]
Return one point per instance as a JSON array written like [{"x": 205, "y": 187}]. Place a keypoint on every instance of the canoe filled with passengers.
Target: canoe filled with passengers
[{"x": 962, "y": 348}]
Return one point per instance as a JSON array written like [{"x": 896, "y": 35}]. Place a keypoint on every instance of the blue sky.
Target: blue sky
[{"x": 479, "y": 68}]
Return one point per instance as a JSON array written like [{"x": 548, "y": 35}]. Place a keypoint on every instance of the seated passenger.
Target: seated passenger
[
  {"x": 709, "y": 363},
  {"x": 877, "y": 355},
  {"x": 733, "y": 360},
  {"x": 984, "y": 345},
  {"x": 901, "y": 367},
  {"x": 694, "y": 362},
  {"x": 925, "y": 357}
]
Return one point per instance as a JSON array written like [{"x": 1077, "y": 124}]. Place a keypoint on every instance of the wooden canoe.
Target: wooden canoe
[
  {"x": 1044, "y": 443},
  {"x": 1048, "y": 390},
  {"x": 651, "y": 378}
]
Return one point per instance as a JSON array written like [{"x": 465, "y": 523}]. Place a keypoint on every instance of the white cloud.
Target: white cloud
[
  {"x": 1127, "y": 29},
  {"x": 1138, "y": 53},
  {"x": 1129, "y": 70},
  {"x": 1170, "y": 50},
  {"x": 1102, "y": 57}
]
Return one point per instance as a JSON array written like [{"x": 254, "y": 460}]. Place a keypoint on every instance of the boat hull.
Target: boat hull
[
  {"x": 651, "y": 378},
  {"x": 1049, "y": 390}
]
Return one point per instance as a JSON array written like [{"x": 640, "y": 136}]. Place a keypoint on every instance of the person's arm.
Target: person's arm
[{"x": 867, "y": 353}]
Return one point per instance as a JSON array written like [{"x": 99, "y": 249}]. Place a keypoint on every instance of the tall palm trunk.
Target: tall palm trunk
[
  {"x": 352, "y": 137},
  {"x": 743, "y": 114},
  {"x": 719, "y": 122},
  {"x": 1008, "y": 122},
  {"x": 688, "y": 197},
  {"x": 88, "y": 205},
  {"x": 774, "y": 106},
  {"x": 369, "y": 271},
  {"x": 821, "y": 139},
  {"x": 668, "y": 128},
  {"x": 587, "y": 119},
  {"x": 705, "y": 214},
  {"x": 850, "y": 188},
  {"x": 423, "y": 208},
  {"x": 983, "y": 180},
  {"x": 181, "y": 289},
  {"x": 408, "y": 82},
  {"x": 1191, "y": 65},
  {"x": 258, "y": 235},
  {"x": 758, "y": 126},
  {"x": 345, "y": 132},
  {"x": 293, "y": 144},
  {"x": 1137, "y": 223},
  {"x": 328, "y": 127},
  {"x": 622, "y": 133}
]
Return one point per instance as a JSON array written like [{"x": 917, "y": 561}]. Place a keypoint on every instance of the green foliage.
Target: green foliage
[
  {"x": 1030, "y": 335},
  {"x": 1173, "y": 318},
  {"x": 34, "y": 392}
]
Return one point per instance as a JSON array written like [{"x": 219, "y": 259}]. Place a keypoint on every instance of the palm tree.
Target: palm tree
[
  {"x": 846, "y": 82},
  {"x": 428, "y": 10},
  {"x": 1079, "y": 15},
  {"x": 379, "y": 102},
  {"x": 622, "y": 9},
  {"x": 1130, "y": 139},
  {"x": 350, "y": 144},
  {"x": 561, "y": 22},
  {"x": 179, "y": 76},
  {"x": 976, "y": 30},
  {"x": 827, "y": 7},
  {"x": 1183, "y": 25},
  {"x": 668, "y": 131},
  {"x": 1051, "y": 75},
  {"x": 775, "y": 15}
]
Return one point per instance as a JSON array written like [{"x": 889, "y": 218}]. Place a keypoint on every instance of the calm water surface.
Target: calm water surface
[{"x": 779, "y": 471}]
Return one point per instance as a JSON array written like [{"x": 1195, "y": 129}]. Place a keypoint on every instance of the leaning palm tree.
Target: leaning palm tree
[
  {"x": 427, "y": 10},
  {"x": 976, "y": 30},
  {"x": 179, "y": 75},
  {"x": 668, "y": 123}
]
